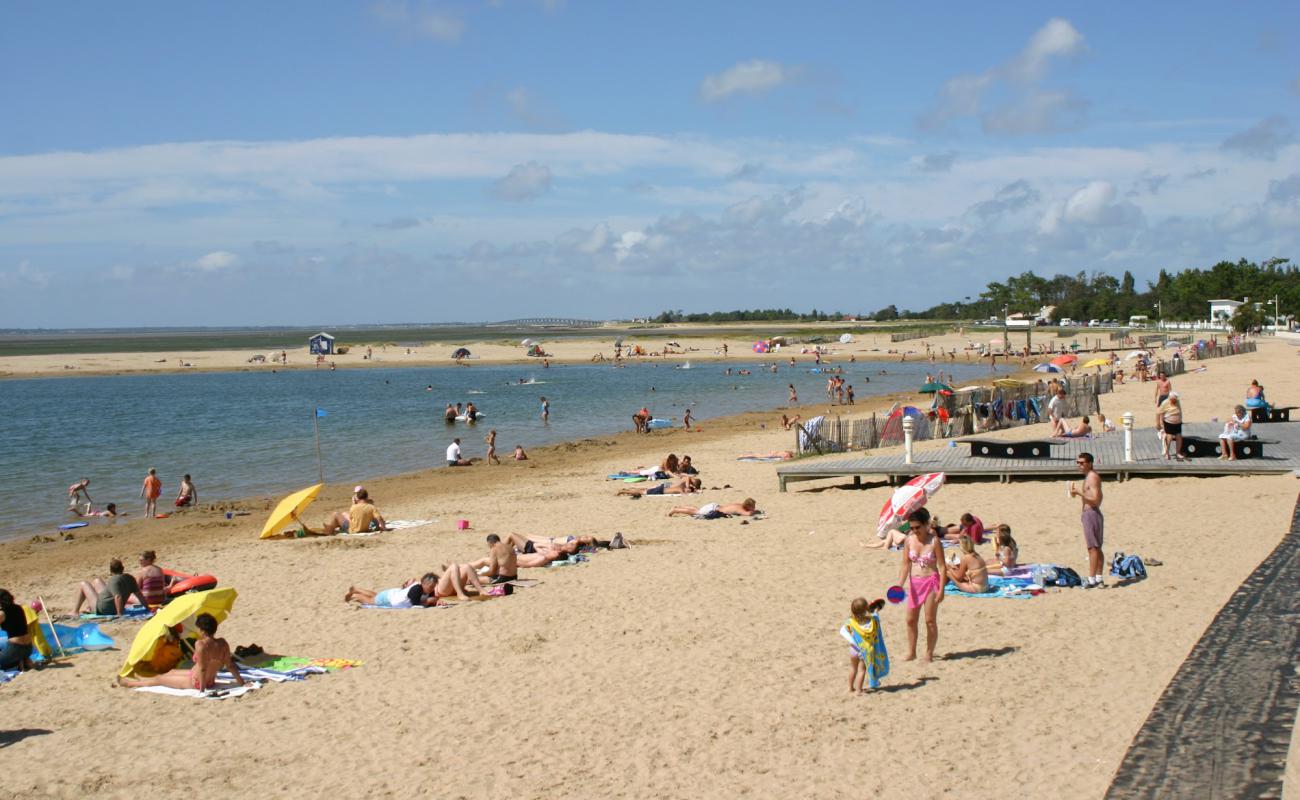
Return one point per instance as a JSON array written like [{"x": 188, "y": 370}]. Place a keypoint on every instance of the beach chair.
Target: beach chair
[{"x": 810, "y": 436}]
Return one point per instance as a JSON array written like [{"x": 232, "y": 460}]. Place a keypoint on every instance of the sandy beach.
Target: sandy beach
[
  {"x": 701, "y": 661},
  {"x": 600, "y": 343}
]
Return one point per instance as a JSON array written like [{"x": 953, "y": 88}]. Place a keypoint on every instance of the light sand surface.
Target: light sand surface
[
  {"x": 702, "y": 662},
  {"x": 869, "y": 345}
]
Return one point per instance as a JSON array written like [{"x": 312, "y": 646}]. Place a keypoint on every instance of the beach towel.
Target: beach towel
[
  {"x": 130, "y": 612},
  {"x": 287, "y": 664},
  {"x": 403, "y": 524},
  {"x": 8, "y": 675},
  {"x": 761, "y": 458},
  {"x": 868, "y": 642},
  {"x": 1013, "y": 588},
  {"x": 222, "y": 691}
]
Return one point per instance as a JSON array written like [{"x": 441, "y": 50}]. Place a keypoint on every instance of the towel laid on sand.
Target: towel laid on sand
[
  {"x": 1013, "y": 588},
  {"x": 130, "y": 612},
  {"x": 403, "y": 524},
  {"x": 222, "y": 691},
  {"x": 762, "y": 458}
]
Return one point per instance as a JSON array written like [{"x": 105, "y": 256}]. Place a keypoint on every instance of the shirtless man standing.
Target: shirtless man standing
[
  {"x": 503, "y": 564},
  {"x": 1093, "y": 523}
]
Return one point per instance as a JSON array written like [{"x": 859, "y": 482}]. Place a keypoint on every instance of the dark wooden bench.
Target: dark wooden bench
[
  {"x": 983, "y": 448},
  {"x": 1272, "y": 414},
  {"x": 1198, "y": 447}
]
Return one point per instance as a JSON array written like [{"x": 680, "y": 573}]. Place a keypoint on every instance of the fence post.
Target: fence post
[
  {"x": 907, "y": 439},
  {"x": 1128, "y": 436}
]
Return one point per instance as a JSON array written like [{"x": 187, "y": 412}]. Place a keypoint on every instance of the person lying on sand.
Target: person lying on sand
[
  {"x": 971, "y": 573},
  {"x": 538, "y": 551},
  {"x": 1084, "y": 428},
  {"x": 784, "y": 455},
  {"x": 686, "y": 485},
  {"x": 211, "y": 655},
  {"x": 745, "y": 508},
  {"x": 970, "y": 526},
  {"x": 421, "y": 592}
]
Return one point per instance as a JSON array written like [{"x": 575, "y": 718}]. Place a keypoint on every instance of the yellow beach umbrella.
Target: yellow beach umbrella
[
  {"x": 181, "y": 611},
  {"x": 1098, "y": 362},
  {"x": 288, "y": 507},
  {"x": 1007, "y": 383}
]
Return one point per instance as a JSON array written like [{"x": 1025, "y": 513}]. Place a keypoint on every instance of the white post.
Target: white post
[
  {"x": 1127, "y": 419},
  {"x": 907, "y": 439}
]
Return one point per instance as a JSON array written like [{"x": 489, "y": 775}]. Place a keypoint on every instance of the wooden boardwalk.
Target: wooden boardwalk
[{"x": 1107, "y": 450}]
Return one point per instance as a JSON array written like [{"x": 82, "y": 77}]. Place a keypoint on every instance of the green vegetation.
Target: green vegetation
[
  {"x": 1181, "y": 296},
  {"x": 756, "y": 315}
]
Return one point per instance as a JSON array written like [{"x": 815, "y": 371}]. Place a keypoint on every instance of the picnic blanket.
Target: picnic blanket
[{"x": 1013, "y": 588}]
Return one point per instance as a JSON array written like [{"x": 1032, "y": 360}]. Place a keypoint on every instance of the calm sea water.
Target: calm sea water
[{"x": 250, "y": 433}]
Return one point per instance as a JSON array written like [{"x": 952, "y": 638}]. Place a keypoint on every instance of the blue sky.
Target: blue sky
[{"x": 302, "y": 162}]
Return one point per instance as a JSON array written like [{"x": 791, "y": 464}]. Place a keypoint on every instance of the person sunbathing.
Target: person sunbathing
[
  {"x": 745, "y": 508},
  {"x": 211, "y": 655},
  {"x": 1083, "y": 429},
  {"x": 421, "y": 592},
  {"x": 686, "y": 485},
  {"x": 891, "y": 540},
  {"x": 784, "y": 455},
  {"x": 970, "y": 526},
  {"x": 456, "y": 579},
  {"x": 971, "y": 574}
]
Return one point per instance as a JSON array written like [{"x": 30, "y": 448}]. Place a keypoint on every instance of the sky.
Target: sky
[{"x": 302, "y": 163}]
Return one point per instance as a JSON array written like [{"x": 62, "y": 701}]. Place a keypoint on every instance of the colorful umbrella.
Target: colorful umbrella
[
  {"x": 1098, "y": 362},
  {"x": 908, "y": 498},
  {"x": 1047, "y": 368},
  {"x": 1065, "y": 359},
  {"x": 288, "y": 508},
  {"x": 931, "y": 388},
  {"x": 181, "y": 611},
  {"x": 760, "y": 347}
]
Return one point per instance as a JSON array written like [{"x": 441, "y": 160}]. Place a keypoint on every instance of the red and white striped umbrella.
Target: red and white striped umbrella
[{"x": 908, "y": 498}]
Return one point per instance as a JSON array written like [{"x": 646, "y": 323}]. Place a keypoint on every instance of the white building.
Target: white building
[{"x": 1222, "y": 310}]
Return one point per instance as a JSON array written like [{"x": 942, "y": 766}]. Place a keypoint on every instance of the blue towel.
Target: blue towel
[
  {"x": 1000, "y": 586},
  {"x": 8, "y": 675}
]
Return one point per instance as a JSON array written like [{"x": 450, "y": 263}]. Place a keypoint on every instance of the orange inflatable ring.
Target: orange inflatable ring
[{"x": 188, "y": 583}]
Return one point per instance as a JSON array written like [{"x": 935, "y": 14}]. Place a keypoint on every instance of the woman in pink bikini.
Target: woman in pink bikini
[
  {"x": 211, "y": 655},
  {"x": 922, "y": 576}
]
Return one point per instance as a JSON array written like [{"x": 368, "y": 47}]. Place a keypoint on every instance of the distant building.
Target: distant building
[
  {"x": 322, "y": 344},
  {"x": 1223, "y": 310}
]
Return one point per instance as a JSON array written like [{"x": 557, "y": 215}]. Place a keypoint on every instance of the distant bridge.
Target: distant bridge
[{"x": 547, "y": 322}]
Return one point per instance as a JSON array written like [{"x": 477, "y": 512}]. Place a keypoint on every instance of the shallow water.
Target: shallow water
[{"x": 250, "y": 433}]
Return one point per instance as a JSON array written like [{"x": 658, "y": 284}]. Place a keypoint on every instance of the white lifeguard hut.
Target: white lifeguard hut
[
  {"x": 1223, "y": 310},
  {"x": 322, "y": 344}
]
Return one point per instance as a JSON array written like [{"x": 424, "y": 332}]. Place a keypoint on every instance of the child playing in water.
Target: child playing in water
[
  {"x": 491, "y": 440},
  {"x": 867, "y": 656}
]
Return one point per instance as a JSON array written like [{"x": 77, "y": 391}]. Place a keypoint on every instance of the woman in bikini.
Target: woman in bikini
[
  {"x": 923, "y": 575},
  {"x": 211, "y": 655},
  {"x": 971, "y": 573}
]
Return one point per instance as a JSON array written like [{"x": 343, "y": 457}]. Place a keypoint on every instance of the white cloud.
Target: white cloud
[
  {"x": 216, "y": 261},
  {"x": 25, "y": 276},
  {"x": 1091, "y": 206},
  {"x": 748, "y": 77},
  {"x": 524, "y": 182},
  {"x": 1021, "y": 104},
  {"x": 420, "y": 19}
]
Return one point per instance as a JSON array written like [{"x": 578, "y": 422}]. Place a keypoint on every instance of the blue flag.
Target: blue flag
[{"x": 320, "y": 412}]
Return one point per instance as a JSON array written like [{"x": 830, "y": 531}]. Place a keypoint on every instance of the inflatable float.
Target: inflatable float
[
  {"x": 461, "y": 417},
  {"x": 184, "y": 584}
]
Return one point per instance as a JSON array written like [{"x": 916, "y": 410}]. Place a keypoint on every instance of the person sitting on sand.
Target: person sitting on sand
[
  {"x": 745, "y": 508},
  {"x": 414, "y": 593},
  {"x": 686, "y": 485},
  {"x": 211, "y": 655},
  {"x": 153, "y": 582},
  {"x": 1106, "y": 425},
  {"x": 362, "y": 517},
  {"x": 1008, "y": 552},
  {"x": 453, "y": 455},
  {"x": 17, "y": 652},
  {"x": 520, "y": 455},
  {"x": 970, "y": 526},
  {"x": 109, "y": 598},
  {"x": 1235, "y": 430},
  {"x": 1080, "y": 431},
  {"x": 783, "y": 455},
  {"x": 789, "y": 422},
  {"x": 971, "y": 574},
  {"x": 685, "y": 467},
  {"x": 503, "y": 562},
  {"x": 670, "y": 465},
  {"x": 188, "y": 495}
]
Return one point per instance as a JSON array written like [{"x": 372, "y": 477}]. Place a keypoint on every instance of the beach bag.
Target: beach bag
[
  {"x": 1065, "y": 578},
  {"x": 1123, "y": 566}
]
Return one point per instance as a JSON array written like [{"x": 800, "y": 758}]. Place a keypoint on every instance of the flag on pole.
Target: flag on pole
[{"x": 320, "y": 412}]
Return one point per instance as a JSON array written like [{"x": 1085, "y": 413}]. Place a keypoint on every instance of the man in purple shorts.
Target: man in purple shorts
[{"x": 1093, "y": 522}]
